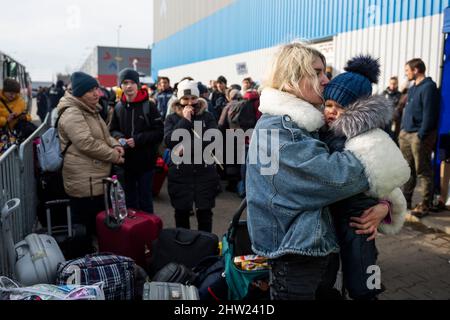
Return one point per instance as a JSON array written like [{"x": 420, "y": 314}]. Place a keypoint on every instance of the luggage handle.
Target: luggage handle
[
  {"x": 50, "y": 204},
  {"x": 185, "y": 243},
  {"x": 6, "y": 230},
  {"x": 9, "y": 208},
  {"x": 236, "y": 218}
]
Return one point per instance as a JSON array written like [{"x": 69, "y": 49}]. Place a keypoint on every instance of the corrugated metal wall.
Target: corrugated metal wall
[
  {"x": 172, "y": 16},
  {"x": 247, "y": 25},
  {"x": 395, "y": 44}
]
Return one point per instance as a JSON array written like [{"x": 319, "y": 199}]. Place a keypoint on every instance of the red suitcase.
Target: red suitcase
[
  {"x": 161, "y": 172},
  {"x": 133, "y": 238}
]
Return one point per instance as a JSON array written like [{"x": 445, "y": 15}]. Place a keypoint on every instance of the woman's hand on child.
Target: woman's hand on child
[{"x": 369, "y": 222}]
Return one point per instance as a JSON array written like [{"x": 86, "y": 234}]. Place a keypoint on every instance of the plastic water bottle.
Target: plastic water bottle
[{"x": 119, "y": 208}]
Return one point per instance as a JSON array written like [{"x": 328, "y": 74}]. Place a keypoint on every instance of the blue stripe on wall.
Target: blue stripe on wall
[{"x": 248, "y": 25}]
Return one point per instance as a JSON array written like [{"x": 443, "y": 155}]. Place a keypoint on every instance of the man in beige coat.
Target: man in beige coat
[{"x": 91, "y": 150}]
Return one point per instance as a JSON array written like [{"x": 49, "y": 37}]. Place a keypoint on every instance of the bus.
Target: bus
[{"x": 10, "y": 68}]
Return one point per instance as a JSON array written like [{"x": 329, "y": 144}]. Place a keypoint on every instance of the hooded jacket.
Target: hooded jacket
[
  {"x": 288, "y": 197},
  {"x": 89, "y": 158},
  {"x": 147, "y": 130},
  {"x": 17, "y": 106},
  {"x": 189, "y": 183}
]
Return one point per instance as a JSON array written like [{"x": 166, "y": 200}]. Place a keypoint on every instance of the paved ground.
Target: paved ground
[{"x": 415, "y": 264}]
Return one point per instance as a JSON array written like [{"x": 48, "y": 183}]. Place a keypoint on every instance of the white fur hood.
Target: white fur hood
[{"x": 278, "y": 103}]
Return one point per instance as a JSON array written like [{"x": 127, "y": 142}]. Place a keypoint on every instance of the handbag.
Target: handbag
[
  {"x": 116, "y": 273},
  {"x": 186, "y": 247}
]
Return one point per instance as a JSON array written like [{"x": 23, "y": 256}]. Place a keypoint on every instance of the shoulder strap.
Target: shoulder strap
[
  {"x": 118, "y": 106},
  {"x": 146, "y": 110},
  {"x": 6, "y": 105},
  {"x": 56, "y": 128}
]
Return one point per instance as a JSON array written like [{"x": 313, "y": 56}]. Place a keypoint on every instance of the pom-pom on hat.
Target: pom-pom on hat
[{"x": 356, "y": 83}]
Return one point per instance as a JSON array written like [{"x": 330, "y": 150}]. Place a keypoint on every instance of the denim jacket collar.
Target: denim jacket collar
[{"x": 278, "y": 103}]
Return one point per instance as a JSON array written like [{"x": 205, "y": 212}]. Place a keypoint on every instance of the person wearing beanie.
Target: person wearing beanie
[
  {"x": 129, "y": 74},
  {"x": 190, "y": 184},
  {"x": 90, "y": 149},
  {"x": 350, "y": 110},
  {"x": 138, "y": 125},
  {"x": 13, "y": 107}
]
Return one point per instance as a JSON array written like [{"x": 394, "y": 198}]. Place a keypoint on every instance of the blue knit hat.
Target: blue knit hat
[
  {"x": 82, "y": 83},
  {"x": 356, "y": 83}
]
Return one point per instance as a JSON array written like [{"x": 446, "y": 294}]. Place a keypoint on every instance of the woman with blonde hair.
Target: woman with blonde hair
[{"x": 288, "y": 217}]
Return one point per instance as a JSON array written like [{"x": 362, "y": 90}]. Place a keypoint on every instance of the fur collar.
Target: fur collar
[
  {"x": 179, "y": 111},
  {"x": 364, "y": 115},
  {"x": 278, "y": 103}
]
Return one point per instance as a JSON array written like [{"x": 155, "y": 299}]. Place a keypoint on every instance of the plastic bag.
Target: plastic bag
[{"x": 50, "y": 292}]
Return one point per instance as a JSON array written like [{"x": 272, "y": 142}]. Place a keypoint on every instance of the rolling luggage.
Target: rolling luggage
[
  {"x": 169, "y": 291},
  {"x": 72, "y": 238},
  {"x": 131, "y": 237},
  {"x": 161, "y": 171},
  {"x": 36, "y": 258}
]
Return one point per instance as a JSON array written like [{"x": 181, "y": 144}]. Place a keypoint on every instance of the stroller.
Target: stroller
[{"x": 242, "y": 284}]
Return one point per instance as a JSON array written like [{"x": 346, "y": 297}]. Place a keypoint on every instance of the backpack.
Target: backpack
[
  {"x": 241, "y": 115},
  {"x": 49, "y": 153}
]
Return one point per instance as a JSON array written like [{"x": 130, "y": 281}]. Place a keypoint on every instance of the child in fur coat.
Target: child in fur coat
[{"x": 350, "y": 111}]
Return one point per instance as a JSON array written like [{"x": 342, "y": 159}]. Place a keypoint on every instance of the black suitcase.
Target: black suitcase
[
  {"x": 72, "y": 238},
  {"x": 186, "y": 247},
  {"x": 50, "y": 187}
]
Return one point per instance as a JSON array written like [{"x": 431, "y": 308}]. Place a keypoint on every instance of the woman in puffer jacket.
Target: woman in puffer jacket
[
  {"x": 191, "y": 184},
  {"x": 90, "y": 149}
]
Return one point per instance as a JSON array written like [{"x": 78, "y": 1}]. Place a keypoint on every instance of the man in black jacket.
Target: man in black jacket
[
  {"x": 138, "y": 126},
  {"x": 419, "y": 132}
]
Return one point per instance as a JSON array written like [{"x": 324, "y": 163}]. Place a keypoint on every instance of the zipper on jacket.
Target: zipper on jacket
[
  {"x": 92, "y": 188},
  {"x": 132, "y": 122}
]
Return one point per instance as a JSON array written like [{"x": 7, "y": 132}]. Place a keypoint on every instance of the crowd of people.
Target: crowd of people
[{"x": 343, "y": 154}]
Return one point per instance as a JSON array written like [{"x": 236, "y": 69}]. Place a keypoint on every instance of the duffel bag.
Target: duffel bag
[
  {"x": 186, "y": 247},
  {"x": 175, "y": 273},
  {"x": 210, "y": 280},
  {"x": 115, "y": 272}
]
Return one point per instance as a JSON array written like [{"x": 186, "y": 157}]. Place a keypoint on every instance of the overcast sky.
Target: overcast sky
[{"x": 51, "y": 36}]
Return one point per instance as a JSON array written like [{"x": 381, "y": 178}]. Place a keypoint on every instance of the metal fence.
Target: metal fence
[{"x": 18, "y": 180}]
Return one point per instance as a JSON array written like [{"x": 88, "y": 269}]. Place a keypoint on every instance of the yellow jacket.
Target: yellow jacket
[{"x": 17, "y": 106}]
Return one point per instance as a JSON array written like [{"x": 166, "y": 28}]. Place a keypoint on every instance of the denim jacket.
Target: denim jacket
[{"x": 288, "y": 209}]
